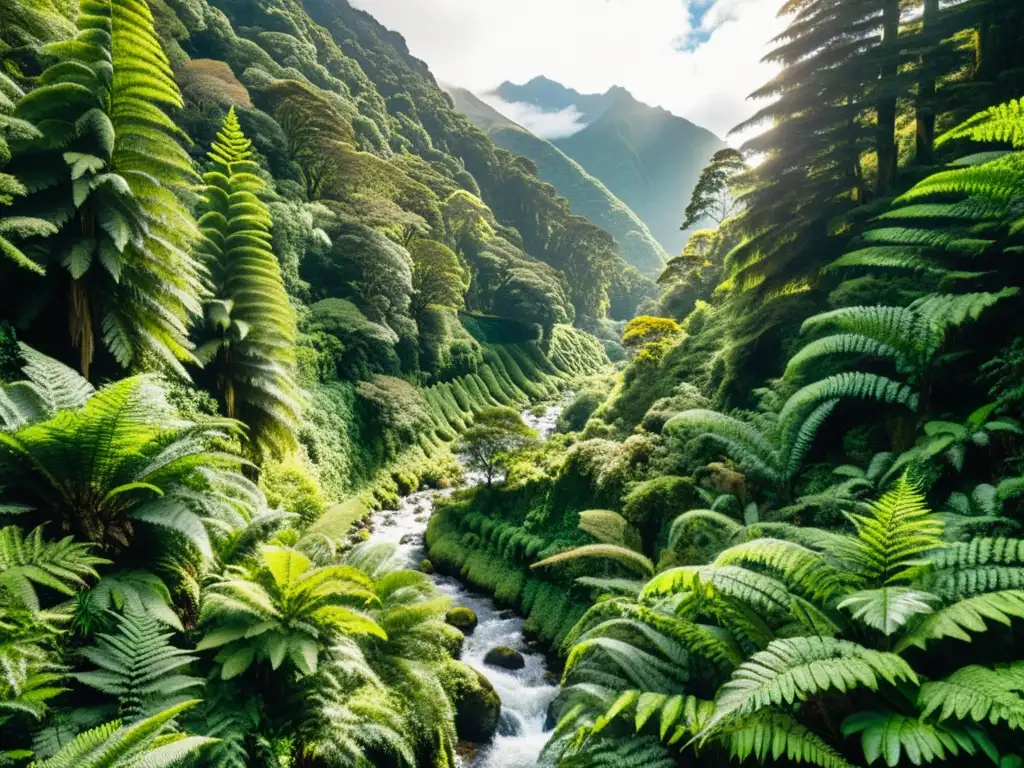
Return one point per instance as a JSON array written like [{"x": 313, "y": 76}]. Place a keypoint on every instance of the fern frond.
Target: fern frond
[
  {"x": 744, "y": 443},
  {"x": 967, "y": 615},
  {"x": 29, "y": 561},
  {"x": 977, "y": 693},
  {"x": 900, "y": 739},
  {"x": 800, "y": 568},
  {"x": 771, "y": 735},
  {"x": 888, "y": 609},
  {"x": 628, "y": 558},
  {"x": 894, "y": 531},
  {"x": 790, "y": 670},
  {"x": 610, "y": 528},
  {"x": 1002, "y": 123}
]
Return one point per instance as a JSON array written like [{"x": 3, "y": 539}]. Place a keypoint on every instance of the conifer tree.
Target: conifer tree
[{"x": 248, "y": 341}]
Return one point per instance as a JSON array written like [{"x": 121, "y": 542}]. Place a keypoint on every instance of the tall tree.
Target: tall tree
[
  {"x": 109, "y": 170},
  {"x": 249, "y": 337},
  {"x": 711, "y": 198}
]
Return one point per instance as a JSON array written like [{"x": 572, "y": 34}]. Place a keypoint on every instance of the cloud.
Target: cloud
[
  {"x": 696, "y": 58},
  {"x": 547, "y": 125}
]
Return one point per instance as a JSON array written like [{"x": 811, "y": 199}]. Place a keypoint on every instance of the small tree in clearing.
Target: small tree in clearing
[{"x": 495, "y": 435}]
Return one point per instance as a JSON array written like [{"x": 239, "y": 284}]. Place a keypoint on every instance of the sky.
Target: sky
[{"x": 697, "y": 58}]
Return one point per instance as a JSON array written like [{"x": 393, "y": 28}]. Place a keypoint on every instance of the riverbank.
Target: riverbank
[{"x": 526, "y": 693}]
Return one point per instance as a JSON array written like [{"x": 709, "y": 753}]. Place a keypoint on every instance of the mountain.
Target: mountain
[
  {"x": 646, "y": 156},
  {"x": 586, "y": 194},
  {"x": 550, "y": 96}
]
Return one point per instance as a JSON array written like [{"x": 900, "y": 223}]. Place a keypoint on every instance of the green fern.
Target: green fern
[
  {"x": 790, "y": 670},
  {"x": 249, "y": 339},
  {"x": 110, "y": 163},
  {"x": 1002, "y": 123},
  {"x": 288, "y": 609},
  {"x": 899, "y": 739},
  {"x": 49, "y": 387},
  {"x": 28, "y": 561},
  {"x": 628, "y": 558},
  {"x": 967, "y": 615},
  {"x": 891, "y": 535},
  {"x": 125, "y": 458},
  {"x": 142, "y": 744},
  {"x": 14, "y": 229},
  {"x": 139, "y": 667},
  {"x": 977, "y": 693},
  {"x": 771, "y": 735}
]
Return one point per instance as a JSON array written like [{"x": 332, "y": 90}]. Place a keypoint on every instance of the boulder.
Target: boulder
[
  {"x": 463, "y": 619},
  {"x": 477, "y": 704},
  {"x": 427, "y": 567},
  {"x": 505, "y": 658}
]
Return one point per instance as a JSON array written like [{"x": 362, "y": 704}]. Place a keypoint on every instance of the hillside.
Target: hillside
[
  {"x": 586, "y": 194},
  {"x": 646, "y": 156}
]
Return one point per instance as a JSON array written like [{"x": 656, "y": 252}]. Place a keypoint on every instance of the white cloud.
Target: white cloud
[
  {"x": 547, "y": 125},
  {"x": 647, "y": 46}
]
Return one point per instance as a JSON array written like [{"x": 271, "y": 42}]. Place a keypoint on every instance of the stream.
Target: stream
[{"x": 526, "y": 693}]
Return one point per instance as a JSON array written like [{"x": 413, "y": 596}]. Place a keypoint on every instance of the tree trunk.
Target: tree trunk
[
  {"x": 886, "y": 105},
  {"x": 925, "y": 141},
  {"x": 80, "y": 325}
]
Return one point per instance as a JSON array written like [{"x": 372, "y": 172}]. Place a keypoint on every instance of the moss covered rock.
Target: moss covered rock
[
  {"x": 427, "y": 567},
  {"x": 505, "y": 658},
  {"x": 477, "y": 704},
  {"x": 463, "y": 619}
]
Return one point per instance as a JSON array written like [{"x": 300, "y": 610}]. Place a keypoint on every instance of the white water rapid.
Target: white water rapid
[{"x": 526, "y": 693}]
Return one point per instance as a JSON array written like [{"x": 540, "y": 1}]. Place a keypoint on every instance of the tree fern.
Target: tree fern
[
  {"x": 288, "y": 610},
  {"x": 125, "y": 457},
  {"x": 139, "y": 667},
  {"x": 110, "y": 164},
  {"x": 249, "y": 338}
]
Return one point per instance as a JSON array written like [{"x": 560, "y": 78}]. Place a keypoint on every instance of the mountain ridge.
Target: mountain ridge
[
  {"x": 587, "y": 195},
  {"x": 647, "y": 156}
]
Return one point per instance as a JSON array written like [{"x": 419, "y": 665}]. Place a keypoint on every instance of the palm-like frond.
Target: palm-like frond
[
  {"x": 288, "y": 610},
  {"x": 125, "y": 456},
  {"x": 27, "y": 561},
  {"x": 249, "y": 339},
  {"x": 110, "y": 162}
]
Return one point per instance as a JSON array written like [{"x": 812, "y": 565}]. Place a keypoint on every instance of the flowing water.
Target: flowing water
[{"x": 526, "y": 693}]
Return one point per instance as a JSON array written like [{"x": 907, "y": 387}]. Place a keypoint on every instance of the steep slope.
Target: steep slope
[
  {"x": 648, "y": 157},
  {"x": 586, "y": 194}
]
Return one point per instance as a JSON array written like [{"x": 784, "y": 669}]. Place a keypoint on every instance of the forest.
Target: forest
[{"x": 267, "y": 298}]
